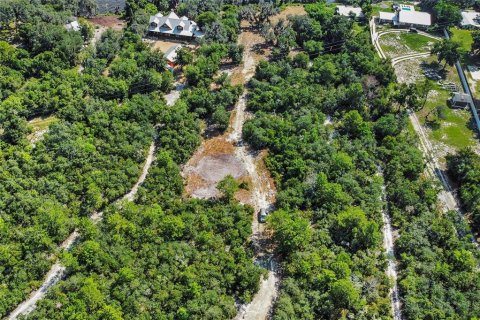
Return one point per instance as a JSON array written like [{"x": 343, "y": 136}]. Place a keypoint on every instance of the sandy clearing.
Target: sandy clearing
[{"x": 293, "y": 10}]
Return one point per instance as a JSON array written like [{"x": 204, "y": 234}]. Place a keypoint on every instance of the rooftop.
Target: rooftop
[
  {"x": 171, "y": 24},
  {"x": 346, "y": 10},
  {"x": 74, "y": 25},
  {"x": 390, "y": 16},
  {"x": 470, "y": 18},
  {"x": 415, "y": 17}
]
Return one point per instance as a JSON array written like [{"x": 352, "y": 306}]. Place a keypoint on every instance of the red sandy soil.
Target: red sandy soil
[{"x": 113, "y": 22}]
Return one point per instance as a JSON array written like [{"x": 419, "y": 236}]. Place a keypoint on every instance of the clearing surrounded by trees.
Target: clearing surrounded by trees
[{"x": 286, "y": 161}]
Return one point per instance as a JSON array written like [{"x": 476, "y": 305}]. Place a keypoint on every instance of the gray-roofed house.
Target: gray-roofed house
[
  {"x": 414, "y": 19},
  {"x": 460, "y": 100},
  {"x": 173, "y": 26}
]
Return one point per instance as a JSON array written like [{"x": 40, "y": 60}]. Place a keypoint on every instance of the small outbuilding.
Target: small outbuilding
[
  {"x": 460, "y": 100},
  {"x": 171, "y": 54},
  {"x": 470, "y": 19},
  {"x": 349, "y": 11}
]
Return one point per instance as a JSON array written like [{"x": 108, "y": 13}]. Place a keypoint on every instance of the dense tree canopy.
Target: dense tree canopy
[
  {"x": 328, "y": 217},
  {"x": 164, "y": 256},
  {"x": 464, "y": 167}
]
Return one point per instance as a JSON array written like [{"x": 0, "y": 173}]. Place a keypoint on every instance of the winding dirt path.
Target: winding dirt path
[
  {"x": 389, "y": 246},
  {"x": 58, "y": 271},
  {"x": 228, "y": 154}
]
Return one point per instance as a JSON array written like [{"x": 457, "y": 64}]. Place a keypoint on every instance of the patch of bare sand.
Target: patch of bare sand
[
  {"x": 297, "y": 10},
  {"x": 216, "y": 158},
  {"x": 252, "y": 43},
  {"x": 213, "y": 161},
  {"x": 409, "y": 71},
  {"x": 161, "y": 45},
  {"x": 267, "y": 183}
]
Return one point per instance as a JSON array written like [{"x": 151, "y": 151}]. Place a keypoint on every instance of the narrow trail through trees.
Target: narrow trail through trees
[
  {"x": 388, "y": 244},
  {"x": 58, "y": 271},
  {"x": 447, "y": 196},
  {"x": 228, "y": 154},
  {"x": 388, "y": 238}
]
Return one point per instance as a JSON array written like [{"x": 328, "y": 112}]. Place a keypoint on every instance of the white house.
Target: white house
[
  {"x": 347, "y": 10},
  {"x": 390, "y": 17},
  {"x": 470, "y": 18},
  {"x": 407, "y": 18},
  {"x": 173, "y": 26},
  {"x": 414, "y": 19}
]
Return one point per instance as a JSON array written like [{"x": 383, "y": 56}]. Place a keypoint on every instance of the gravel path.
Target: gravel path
[{"x": 263, "y": 194}]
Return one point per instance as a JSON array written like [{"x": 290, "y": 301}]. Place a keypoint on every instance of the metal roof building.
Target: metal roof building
[
  {"x": 414, "y": 18},
  {"x": 470, "y": 18}
]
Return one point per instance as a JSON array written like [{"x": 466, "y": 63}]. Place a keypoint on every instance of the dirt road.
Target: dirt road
[
  {"x": 447, "y": 196},
  {"x": 229, "y": 155},
  {"x": 389, "y": 246}
]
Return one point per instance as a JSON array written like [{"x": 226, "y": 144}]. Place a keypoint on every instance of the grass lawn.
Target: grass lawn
[
  {"x": 453, "y": 130},
  {"x": 416, "y": 42},
  {"x": 401, "y": 43},
  {"x": 462, "y": 36},
  {"x": 385, "y": 6},
  {"x": 39, "y": 124}
]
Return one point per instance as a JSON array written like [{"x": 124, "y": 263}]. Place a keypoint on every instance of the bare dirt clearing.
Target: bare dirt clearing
[
  {"x": 228, "y": 154},
  {"x": 293, "y": 10},
  {"x": 40, "y": 127},
  {"x": 216, "y": 158},
  {"x": 113, "y": 22},
  {"x": 409, "y": 71},
  {"x": 161, "y": 45}
]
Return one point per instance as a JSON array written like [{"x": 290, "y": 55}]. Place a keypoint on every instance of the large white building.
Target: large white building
[
  {"x": 173, "y": 26},
  {"x": 407, "y": 16}
]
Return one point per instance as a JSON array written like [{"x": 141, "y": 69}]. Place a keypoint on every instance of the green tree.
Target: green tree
[
  {"x": 290, "y": 230},
  {"x": 344, "y": 295},
  {"x": 448, "y": 51},
  {"x": 448, "y": 13},
  {"x": 228, "y": 186},
  {"x": 355, "y": 231}
]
